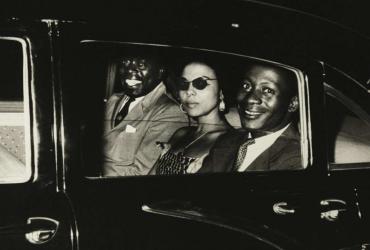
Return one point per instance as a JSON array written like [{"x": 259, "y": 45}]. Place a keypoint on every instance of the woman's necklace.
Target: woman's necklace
[{"x": 195, "y": 140}]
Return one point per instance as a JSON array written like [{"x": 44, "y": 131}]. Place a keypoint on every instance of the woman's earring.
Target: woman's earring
[
  {"x": 182, "y": 108},
  {"x": 291, "y": 108},
  {"x": 293, "y": 105},
  {"x": 221, "y": 105}
]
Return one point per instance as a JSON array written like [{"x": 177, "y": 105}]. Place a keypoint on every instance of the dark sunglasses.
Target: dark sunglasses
[{"x": 198, "y": 83}]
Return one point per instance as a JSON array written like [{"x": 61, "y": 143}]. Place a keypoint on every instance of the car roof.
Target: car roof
[{"x": 247, "y": 27}]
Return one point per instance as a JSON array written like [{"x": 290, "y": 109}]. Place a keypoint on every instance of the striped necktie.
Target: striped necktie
[{"x": 242, "y": 152}]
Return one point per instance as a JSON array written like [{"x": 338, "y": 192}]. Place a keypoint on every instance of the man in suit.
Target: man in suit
[
  {"x": 267, "y": 105},
  {"x": 138, "y": 117}
]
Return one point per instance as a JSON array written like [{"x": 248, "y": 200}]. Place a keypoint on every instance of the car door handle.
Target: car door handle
[
  {"x": 282, "y": 208},
  {"x": 44, "y": 229},
  {"x": 37, "y": 230},
  {"x": 332, "y": 208}
]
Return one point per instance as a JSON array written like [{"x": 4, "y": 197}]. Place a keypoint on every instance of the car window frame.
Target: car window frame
[
  {"x": 360, "y": 113},
  {"x": 30, "y": 173},
  {"x": 303, "y": 96}
]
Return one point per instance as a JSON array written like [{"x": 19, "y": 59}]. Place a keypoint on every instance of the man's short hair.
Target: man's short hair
[{"x": 288, "y": 75}]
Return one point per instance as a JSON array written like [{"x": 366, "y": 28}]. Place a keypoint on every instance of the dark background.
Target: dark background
[{"x": 355, "y": 14}]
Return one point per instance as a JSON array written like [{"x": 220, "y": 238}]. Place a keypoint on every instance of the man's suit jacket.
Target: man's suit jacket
[
  {"x": 284, "y": 153},
  {"x": 130, "y": 147}
]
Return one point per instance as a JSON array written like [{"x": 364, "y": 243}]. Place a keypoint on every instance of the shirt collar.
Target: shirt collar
[{"x": 272, "y": 136}]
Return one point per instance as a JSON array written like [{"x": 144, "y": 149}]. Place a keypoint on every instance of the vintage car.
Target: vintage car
[{"x": 57, "y": 75}]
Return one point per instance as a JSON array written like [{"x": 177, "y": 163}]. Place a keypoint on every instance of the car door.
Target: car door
[
  {"x": 177, "y": 212},
  {"x": 35, "y": 212},
  {"x": 345, "y": 197}
]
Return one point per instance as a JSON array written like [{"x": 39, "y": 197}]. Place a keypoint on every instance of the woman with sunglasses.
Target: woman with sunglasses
[{"x": 202, "y": 99}]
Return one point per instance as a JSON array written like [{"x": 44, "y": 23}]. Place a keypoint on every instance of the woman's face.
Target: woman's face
[{"x": 199, "y": 102}]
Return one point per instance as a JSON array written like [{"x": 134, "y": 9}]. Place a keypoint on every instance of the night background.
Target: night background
[{"x": 353, "y": 14}]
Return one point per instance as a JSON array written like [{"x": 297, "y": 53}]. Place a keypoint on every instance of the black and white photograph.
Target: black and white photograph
[{"x": 185, "y": 124}]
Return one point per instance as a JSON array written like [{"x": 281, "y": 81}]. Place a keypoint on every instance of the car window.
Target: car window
[
  {"x": 348, "y": 127},
  {"x": 14, "y": 164},
  {"x": 162, "y": 110}
]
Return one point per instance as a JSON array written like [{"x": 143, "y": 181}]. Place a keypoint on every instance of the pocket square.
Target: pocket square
[{"x": 130, "y": 129}]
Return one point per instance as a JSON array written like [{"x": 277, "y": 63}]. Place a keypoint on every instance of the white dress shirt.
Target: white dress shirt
[
  {"x": 132, "y": 104},
  {"x": 261, "y": 144},
  {"x": 138, "y": 99}
]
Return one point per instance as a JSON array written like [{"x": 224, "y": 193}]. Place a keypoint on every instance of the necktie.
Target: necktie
[
  {"x": 242, "y": 152},
  {"x": 123, "y": 112}
]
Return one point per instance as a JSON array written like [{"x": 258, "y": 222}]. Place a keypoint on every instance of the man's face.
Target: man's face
[
  {"x": 139, "y": 76},
  {"x": 263, "y": 100}
]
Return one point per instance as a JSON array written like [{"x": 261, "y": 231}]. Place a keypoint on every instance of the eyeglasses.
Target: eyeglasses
[{"x": 198, "y": 83}]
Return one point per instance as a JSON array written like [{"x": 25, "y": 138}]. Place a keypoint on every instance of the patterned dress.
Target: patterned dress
[{"x": 171, "y": 163}]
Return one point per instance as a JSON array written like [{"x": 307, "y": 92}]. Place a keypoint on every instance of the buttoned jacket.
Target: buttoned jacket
[
  {"x": 283, "y": 154},
  {"x": 130, "y": 147}
]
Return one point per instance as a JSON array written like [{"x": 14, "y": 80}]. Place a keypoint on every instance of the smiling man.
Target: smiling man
[
  {"x": 138, "y": 117},
  {"x": 267, "y": 105}
]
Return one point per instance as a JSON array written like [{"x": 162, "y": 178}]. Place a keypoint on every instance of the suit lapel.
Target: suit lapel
[
  {"x": 223, "y": 153},
  {"x": 141, "y": 109},
  {"x": 145, "y": 106},
  {"x": 137, "y": 113},
  {"x": 232, "y": 148},
  {"x": 263, "y": 161}
]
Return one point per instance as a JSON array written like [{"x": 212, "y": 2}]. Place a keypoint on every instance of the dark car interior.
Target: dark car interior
[
  {"x": 348, "y": 133},
  {"x": 101, "y": 73},
  {"x": 348, "y": 128}
]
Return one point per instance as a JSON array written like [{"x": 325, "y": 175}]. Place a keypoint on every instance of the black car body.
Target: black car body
[{"x": 61, "y": 202}]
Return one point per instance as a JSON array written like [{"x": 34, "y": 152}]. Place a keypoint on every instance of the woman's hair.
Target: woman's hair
[{"x": 177, "y": 70}]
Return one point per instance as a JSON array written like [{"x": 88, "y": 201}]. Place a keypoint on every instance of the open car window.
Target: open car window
[
  {"x": 162, "y": 110},
  {"x": 348, "y": 128},
  {"x": 14, "y": 126}
]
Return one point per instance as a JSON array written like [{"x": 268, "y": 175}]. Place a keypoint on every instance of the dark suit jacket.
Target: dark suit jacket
[{"x": 284, "y": 154}]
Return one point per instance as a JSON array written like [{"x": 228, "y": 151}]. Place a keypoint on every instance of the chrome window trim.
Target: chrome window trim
[
  {"x": 26, "y": 112},
  {"x": 358, "y": 111},
  {"x": 303, "y": 96}
]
